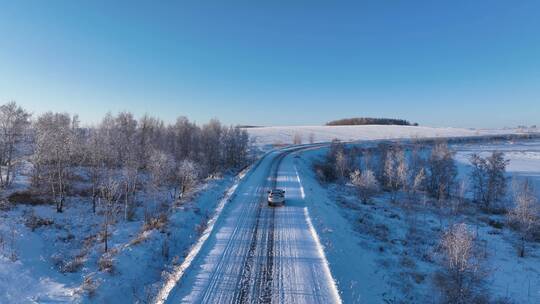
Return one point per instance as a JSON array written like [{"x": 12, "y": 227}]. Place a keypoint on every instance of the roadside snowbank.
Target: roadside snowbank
[{"x": 352, "y": 263}]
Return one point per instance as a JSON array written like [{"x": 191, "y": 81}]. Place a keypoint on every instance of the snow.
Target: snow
[
  {"x": 317, "y": 249},
  {"x": 524, "y": 157},
  {"x": 297, "y": 241},
  {"x": 374, "y": 256},
  {"x": 20, "y": 283},
  {"x": 138, "y": 263},
  {"x": 267, "y": 136},
  {"x": 260, "y": 252},
  {"x": 320, "y": 250},
  {"x": 353, "y": 265},
  {"x": 179, "y": 271},
  {"x": 27, "y": 270},
  {"x": 141, "y": 266},
  {"x": 515, "y": 278}
]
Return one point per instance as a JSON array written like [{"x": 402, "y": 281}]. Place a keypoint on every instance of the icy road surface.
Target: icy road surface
[{"x": 261, "y": 254}]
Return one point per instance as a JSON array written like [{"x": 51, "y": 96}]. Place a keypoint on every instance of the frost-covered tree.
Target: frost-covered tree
[
  {"x": 107, "y": 136},
  {"x": 185, "y": 139},
  {"x": 79, "y": 136},
  {"x": 525, "y": 215},
  {"x": 53, "y": 154},
  {"x": 366, "y": 183},
  {"x": 14, "y": 121},
  {"x": 186, "y": 176},
  {"x": 396, "y": 171},
  {"x": 109, "y": 197},
  {"x": 161, "y": 167},
  {"x": 96, "y": 159},
  {"x": 342, "y": 164},
  {"x": 211, "y": 146},
  {"x": 335, "y": 164},
  {"x": 120, "y": 134},
  {"x": 442, "y": 171},
  {"x": 337, "y": 161},
  {"x": 487, "y": 177},
  {"x": 462, "y": 274},
  {"x": 150, "y": 135},
  {"x": 402, "y": 170},
  {"x": 132, "y": 150},
  {"x": 130, "y": 174},
  {"x": 234, "y": 147},
  {"x": 417, "y": 161},
  {"x": 416, "y": 184},
  {"x": 419, "y": 181},
  {"x": 389, "y": 172},
  {"x": 123, "y": 135}
]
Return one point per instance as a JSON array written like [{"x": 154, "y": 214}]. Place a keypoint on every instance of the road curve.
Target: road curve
[{"x": 260, "y": 254}]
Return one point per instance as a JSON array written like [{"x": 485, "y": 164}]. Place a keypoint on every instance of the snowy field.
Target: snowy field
[
  {"x": 324, "y": 237},
  {"x": 518, "y": 279},
  {"x": 59, "y": 260},
  {"x": 265, "y": 136},
  {"x": 352, "y": 258},
  {"x": 386, "y": 253}
]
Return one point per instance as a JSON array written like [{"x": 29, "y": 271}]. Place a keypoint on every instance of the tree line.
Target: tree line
[
  {"x": 120, "y": 153},
  {"x": 369, "y": 121},
  {"x": 409, "y": 171}
]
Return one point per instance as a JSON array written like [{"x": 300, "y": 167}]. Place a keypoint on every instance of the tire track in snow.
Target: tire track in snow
[
  {"x": 326, "y": 267},
  {"x": 242, "y": 293},
  {"x": 259, "y": 254},
  {"x": 305, "y": 275},
  {"x": 174, "y": 280},
  {"x": 179, "y": 271},
  {"x": 268, "y": 270},
  {"x": 250, "y": 289},
  {"x": 229, "y": 250}
]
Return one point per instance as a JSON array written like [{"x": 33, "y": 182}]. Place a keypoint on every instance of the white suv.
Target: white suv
[{"x": 276, "y": 197}]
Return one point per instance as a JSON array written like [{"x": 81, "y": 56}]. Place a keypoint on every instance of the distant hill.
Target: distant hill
[
  {"x": 356, "y": 121},
  {"x": 248, "y": 126}
]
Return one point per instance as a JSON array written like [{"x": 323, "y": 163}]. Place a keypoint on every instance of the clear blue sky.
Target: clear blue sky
[{"x": 442, "y": 63}]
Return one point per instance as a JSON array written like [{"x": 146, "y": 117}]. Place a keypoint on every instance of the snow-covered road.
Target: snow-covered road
[{"x": 259, "y": 254}]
